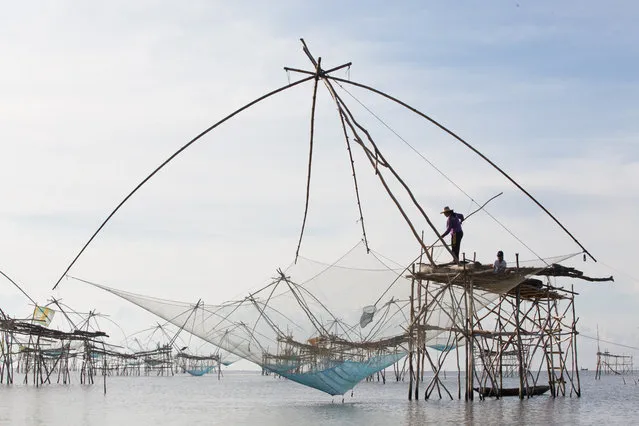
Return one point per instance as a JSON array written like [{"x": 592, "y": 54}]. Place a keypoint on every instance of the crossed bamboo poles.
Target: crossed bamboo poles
[{"x": 371, "y": 150}]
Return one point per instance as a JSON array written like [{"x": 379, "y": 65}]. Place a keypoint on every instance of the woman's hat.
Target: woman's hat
[{"x": 447, "y": 210}]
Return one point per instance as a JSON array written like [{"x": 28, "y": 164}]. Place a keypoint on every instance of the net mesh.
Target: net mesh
[{"x": 330, "y": 325}]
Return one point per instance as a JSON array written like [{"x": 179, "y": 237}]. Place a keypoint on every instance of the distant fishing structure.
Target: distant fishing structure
[
  {"x": 330, "y": 325},
  {"x": 609, "y": 363},
  {"x": 32, "y": 350}
]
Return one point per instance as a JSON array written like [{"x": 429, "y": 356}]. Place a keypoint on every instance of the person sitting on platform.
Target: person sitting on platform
[
  {"x": 453, "y": 226},
  {"x": 500, "y": 263}
]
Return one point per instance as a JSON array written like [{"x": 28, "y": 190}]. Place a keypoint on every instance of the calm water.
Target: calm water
[{"x": 249, "y": 398}]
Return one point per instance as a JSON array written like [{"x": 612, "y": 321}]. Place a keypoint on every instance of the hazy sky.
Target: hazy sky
[{"x": 93, "y": 96}]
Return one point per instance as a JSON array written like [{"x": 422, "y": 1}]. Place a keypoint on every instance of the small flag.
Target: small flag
[{"x": 43, "y": 315}]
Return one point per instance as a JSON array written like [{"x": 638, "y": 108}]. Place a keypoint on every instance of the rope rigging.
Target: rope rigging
[
  {"x": 374, "y": 155},
  {"x": 438, "y": 170},
  {"x": 458, "y": 138}
]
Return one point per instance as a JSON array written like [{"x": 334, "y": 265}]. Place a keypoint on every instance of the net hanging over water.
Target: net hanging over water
[{"x": 330, "y": 325}]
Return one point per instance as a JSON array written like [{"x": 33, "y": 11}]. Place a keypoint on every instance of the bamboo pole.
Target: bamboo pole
[
  {"x": 411, "y": 334},
  {"x": 387, "y": 96},
  {"x": 104, "y": 367},
  {"x": 459, "y": 386},
  {"x": 557, "y": 331},
  {"x": 468, "y": 296},
  {"x": 168, "y": 160},
  {"x": 519, "y": 343},
  {"x": 310, "y": 156},
  {"x": 500, "y": 344},
  {"x": 574, "y": 336},
  {"x": 419, "y": 342},
  {"x": 374, "y": 161}
]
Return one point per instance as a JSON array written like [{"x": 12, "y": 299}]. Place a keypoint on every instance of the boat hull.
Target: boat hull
[{"x": 534, "y": 390}]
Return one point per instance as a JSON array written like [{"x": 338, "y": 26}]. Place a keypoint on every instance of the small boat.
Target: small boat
[{"x": 534, "y": 390}]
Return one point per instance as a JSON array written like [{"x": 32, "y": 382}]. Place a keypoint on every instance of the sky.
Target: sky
[{"x": 94, "y": 96}]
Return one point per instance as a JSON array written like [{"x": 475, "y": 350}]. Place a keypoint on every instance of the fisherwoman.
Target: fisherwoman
[{"x": 454, "y": 228}]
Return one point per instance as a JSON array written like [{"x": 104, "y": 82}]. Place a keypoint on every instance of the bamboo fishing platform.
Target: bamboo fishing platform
[
  {"x": 609, "y": 363},
  {"x": 528, "y": 332},
  {"x": 42, "y": 354}
]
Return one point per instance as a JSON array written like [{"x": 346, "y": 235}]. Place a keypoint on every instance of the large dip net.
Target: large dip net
[{"x": 330, "y": 325}]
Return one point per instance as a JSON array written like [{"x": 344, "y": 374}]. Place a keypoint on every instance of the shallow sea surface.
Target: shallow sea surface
[{"x": 248, "y": 398}]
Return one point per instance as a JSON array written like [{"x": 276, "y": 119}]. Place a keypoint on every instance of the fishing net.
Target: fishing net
[{"x": 330, "y": 325}]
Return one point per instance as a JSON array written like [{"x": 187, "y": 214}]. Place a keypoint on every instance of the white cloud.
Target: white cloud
[{"x": 93, "y": 97}]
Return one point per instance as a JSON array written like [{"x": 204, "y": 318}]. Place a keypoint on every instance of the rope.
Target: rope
[
  {"x": 469, "y": 146},
  {"x": 621, "y": 272},
  {"x": 610, "y": 342}
]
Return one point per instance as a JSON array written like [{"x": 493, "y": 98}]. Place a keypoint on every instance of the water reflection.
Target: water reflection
[{"x": 256, "y": 400}]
